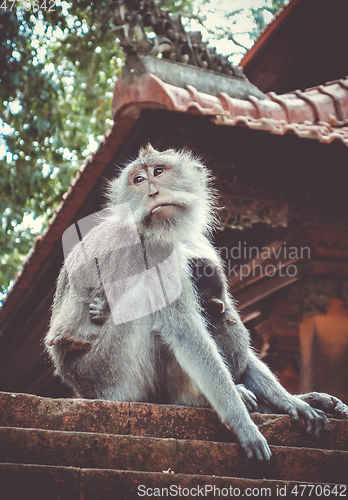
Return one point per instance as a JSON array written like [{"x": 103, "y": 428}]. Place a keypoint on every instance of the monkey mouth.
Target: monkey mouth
[{"x": 159, "y": 207}]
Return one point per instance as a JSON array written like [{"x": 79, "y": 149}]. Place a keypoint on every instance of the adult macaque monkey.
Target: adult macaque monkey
[{"x": 132, "y": 321}]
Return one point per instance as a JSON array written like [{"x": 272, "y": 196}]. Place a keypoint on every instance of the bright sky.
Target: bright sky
[{"x": 242, "y": 24}]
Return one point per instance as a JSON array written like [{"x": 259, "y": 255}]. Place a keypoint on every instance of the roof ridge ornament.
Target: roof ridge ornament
[{"x": 131, "y": 17}]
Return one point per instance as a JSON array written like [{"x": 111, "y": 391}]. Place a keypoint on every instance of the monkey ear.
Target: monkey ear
[{"x": 147, "y": 150}]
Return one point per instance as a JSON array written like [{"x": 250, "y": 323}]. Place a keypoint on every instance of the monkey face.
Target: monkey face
[
  {"x": 169, "y": 194},
  {"x": 152, "y": 184}
]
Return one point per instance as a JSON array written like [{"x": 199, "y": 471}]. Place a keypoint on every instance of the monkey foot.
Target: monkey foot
[
  {"x": 68, "y": 344},
  {"x": 331, "y": 405}
]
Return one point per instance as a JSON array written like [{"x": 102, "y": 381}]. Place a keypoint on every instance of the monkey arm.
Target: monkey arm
[
  {"x": 199, "y": 357},
  {"x": 209, "y": 280},
  {"x": 63, "y": 333},
  {"x": 67, "y": 329},
  {"x": 261, "y": 381}
]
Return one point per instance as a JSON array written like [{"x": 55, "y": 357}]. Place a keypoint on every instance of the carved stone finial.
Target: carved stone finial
[
  {"x": 131, "y": 17},
  {"x": 311, "y": 296}
]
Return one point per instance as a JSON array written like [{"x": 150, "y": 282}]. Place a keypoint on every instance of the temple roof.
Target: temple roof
[
  {"x": 319, "y": 113},
  {"x": 304, "y": 45}
]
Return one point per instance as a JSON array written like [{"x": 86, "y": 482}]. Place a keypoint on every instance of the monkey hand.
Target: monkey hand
[
  {"x": 214, "y": 306},
  {"x": 97, "y": 310},
  {"x": 68, "y": 344},
  {"x": 331, "y": 405},
  {"x": 252, "y": 441},
  {"x": 248, "y": 397},
  {"x": 315, "y": 419}
]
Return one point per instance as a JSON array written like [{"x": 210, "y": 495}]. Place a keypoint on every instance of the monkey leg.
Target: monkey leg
[
  {"x": 331, "y": 405},
  {"x": 261, "y": 381},
  {"x": 199, "y": 357}
]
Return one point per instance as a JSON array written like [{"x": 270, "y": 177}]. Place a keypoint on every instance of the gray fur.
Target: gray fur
[{"x": 174, "y": 355}]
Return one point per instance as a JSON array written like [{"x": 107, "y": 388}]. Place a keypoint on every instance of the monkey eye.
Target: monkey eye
[
  {"x": 158, "y": 171},
  {"x": 138, "y": 179}
]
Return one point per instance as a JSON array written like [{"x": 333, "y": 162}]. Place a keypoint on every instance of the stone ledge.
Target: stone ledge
[
  {"x": 108, "y": 451},
  {"x": 162, "y": 421},
  {"x": 40, "y": 482}
]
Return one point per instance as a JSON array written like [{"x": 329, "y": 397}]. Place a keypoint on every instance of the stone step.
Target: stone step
[
  {"x": 132, "y": 453},
  {"x": 165, "y": 421},
  {"x": 42, "y": 482}
]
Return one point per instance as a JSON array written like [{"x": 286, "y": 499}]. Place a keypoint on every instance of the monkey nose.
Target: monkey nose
[{"x": 153, "y": 191}]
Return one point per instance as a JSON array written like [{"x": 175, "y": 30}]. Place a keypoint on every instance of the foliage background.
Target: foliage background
[{"x": 59, "y": 62}]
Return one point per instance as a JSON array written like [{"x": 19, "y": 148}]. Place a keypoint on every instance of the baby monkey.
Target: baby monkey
[{"x": 209, "y": 281}]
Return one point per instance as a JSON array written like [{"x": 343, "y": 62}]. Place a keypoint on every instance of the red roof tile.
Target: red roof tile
[{"x": 318, "y": 113}]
